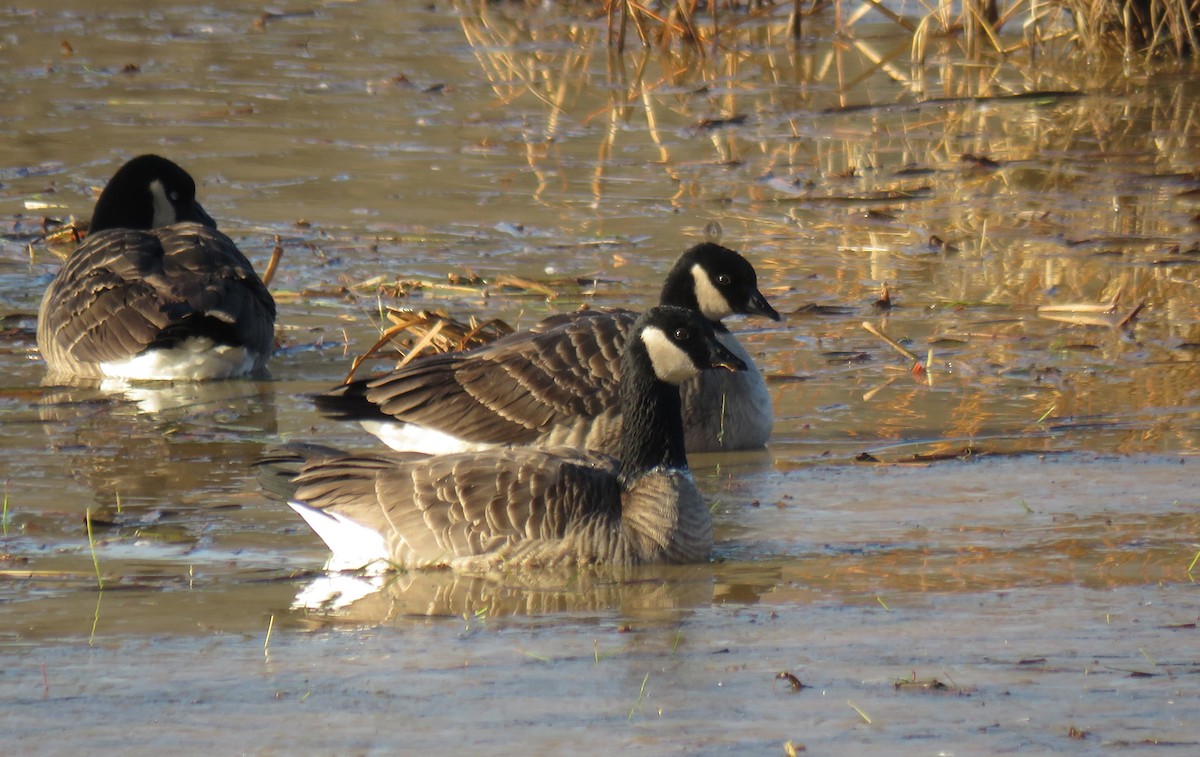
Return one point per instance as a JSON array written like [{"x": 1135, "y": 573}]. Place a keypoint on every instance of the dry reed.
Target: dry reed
[{"x": 1118, "y": 28}]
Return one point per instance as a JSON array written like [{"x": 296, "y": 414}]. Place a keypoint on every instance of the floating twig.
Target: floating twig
[
  {"x": 870, "y": 394},
  {"x": 1084, "y": 307},
  {"x": 1127, "y": 320},
  {"x": 890, "y": 342}
]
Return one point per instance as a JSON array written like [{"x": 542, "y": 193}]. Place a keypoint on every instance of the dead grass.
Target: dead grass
[
  {"x": 415, "y": 332},
  {"x": 1108, "y": 28}
]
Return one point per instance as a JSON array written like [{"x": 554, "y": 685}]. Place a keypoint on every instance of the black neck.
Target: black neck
[
  {"x": 651, "y": 419},
  {"x": 115, "y": 210},
  {"x": 679, "y": 289}
]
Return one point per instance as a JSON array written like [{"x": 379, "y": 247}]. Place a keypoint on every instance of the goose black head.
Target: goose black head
[
  {"x": 716, "y": 281},
  {"x": 146, "y": 193},
  {"x": 680, "y": 344}
]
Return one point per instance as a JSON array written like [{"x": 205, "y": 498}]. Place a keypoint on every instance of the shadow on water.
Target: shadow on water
[{"x": 991, "y": 491}]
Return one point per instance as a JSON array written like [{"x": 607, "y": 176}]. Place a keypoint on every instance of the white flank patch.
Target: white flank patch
[
  {"x": 164, "y": 209},
  {"x": 671, "y": 364},
  {"x": 195, "y": 359},
  {"x": 712, "y": 303},
  {"x": 409, "y": 437},
  {"x": 354, "y": 547}
]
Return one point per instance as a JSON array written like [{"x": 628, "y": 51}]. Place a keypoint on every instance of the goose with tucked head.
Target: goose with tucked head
[
  {"x": 533, "y": 507},
  {"x": 155, "y": 292}
]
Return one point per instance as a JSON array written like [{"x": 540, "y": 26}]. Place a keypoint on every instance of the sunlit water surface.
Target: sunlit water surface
[{"x": 997, "y": 605}]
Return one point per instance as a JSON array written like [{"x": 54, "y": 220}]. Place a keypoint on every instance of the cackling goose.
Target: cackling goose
[{"x": 557, "y": 382}]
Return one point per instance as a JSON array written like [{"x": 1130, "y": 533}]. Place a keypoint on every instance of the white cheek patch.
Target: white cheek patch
[
  {"x": 671, "y": 364},
  {"x": 164, "y": 210},
  {"x": 712, "y": 303}
]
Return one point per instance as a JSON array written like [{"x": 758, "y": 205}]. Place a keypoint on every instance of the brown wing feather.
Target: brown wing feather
[
  {"x": 454, "y": 506},
  {"x": 122, "y": 289},
  {"x": 517, "y": 388}
]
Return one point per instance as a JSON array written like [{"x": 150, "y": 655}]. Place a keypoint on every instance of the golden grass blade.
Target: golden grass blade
[
  {"x": 423, "y": 343},
  {"x": 386, "y": 337}
]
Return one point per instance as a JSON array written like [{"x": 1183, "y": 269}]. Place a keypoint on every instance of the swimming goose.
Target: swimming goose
[
  {"x": 155, "y": 292},
  {"x": 531, "y": 506},
  {"x": 557, "y": 382}
]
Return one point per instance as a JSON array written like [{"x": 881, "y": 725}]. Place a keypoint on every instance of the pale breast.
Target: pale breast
[
  {"x": 666, "y": 519},
  {"x": 727, "y": 409}
]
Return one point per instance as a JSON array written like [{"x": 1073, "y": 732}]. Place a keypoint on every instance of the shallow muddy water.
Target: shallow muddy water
[{"x": 998, "y": 604}]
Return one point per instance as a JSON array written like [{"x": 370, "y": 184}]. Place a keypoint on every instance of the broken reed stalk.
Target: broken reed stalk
[
  {"x": 1084, "y": 307},
  {"x": 476, "y": 333},
  {"x": 384, "y": 338},
  {"x": 273, "y": 263},
  {"x": 1092, "y": 313},
  {"x": 891, "y": 342},
  {"x": 442, "y": 334},
  {"x": 528, "y": 285},
  {"x": 424, "y": 342}
]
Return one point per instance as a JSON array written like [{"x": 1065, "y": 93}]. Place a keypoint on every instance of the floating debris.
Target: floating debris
[
  {"x": 1092, "y": 313},
  {"x": 431, "y": 330},
  {"x": 979, "y": 162},
  {"x": 933, "y": 684},
  {"x": 937, "y": 243},
  {"x": 708, "y": 124},
  {"x": 885, "y": 298}
]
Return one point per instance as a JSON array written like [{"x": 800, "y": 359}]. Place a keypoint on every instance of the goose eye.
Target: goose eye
[
  {"x": 174, "y": 196},
  {"x": 723, "y": 279},
  {"x": 681, "y": 335}
]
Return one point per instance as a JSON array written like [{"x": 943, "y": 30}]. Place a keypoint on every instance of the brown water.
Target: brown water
[{"x": 1045, "y": 584}]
